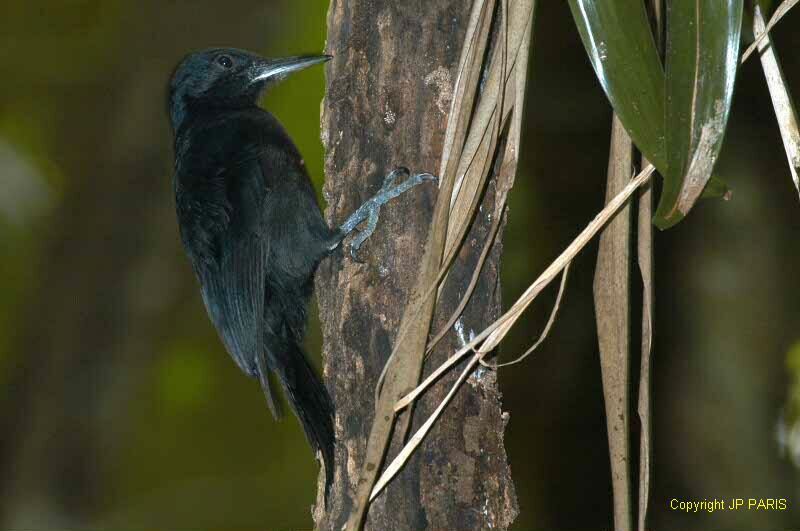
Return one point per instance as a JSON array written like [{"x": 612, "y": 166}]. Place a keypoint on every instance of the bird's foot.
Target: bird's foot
[
  {"x": 370, "y": 210},
  {"x": 388, "y": 191}
]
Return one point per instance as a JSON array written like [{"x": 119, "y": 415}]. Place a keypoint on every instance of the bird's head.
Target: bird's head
[{"x": 221, "y": 78}]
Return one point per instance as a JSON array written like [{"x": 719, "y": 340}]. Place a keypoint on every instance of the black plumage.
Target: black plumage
[{"x": 250, "y": 223}]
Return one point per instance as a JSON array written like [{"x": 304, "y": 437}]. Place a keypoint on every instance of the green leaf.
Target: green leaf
[
  {"x": 716, "y": 189},
  {"x": 702, "y": 57},
  {"x": 620, "y": 45}
]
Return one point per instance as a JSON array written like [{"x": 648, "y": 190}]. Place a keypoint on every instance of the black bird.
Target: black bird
[{"x": 250, "y": 223}]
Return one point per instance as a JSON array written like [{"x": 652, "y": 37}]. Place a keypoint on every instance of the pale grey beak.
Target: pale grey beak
[{"x": 277, "y": 69}]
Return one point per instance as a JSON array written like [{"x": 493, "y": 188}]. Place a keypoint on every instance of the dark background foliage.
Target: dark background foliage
[{"x": 121, "y": 409}]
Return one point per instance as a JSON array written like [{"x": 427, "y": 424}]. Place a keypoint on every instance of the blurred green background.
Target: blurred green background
[{"x": 121, "y": 409}]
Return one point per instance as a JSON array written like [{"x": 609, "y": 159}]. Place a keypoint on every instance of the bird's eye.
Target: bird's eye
[{"x": 224, "y": 61}]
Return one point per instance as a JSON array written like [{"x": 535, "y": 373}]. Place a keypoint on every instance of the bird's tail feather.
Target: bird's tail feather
[{"x": 310, "y": 401}]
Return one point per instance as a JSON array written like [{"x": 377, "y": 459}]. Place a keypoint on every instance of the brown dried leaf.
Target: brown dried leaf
[
  {"x": 612, "y": 313},
  {"x": 487, "y": 340},
  {"x": 780, "y": 11},
  {"x": 473, "y": 168},
  {"x": 494, "y": 333},
  {"x": 645, "y": 260},
  {"x": 779, "y": 93}
]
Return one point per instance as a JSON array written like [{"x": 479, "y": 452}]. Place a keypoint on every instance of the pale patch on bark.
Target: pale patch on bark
[{"x": 440, "y": 78}]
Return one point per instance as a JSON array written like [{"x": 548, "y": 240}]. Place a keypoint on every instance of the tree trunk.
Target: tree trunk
[{"x": 388, "y": 97}]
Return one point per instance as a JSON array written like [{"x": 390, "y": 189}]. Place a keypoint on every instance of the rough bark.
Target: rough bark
[{"x": 388, "y": 96}]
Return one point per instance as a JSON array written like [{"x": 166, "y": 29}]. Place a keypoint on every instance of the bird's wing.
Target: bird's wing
[
  {"x": 234, "y": 296},
  {"x": 274, "y": 228},
  {"x": 234, "y": 292}
]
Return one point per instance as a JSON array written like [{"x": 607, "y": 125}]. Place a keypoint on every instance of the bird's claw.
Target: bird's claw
[
  {"x": 370, "y": 211},
  {"x": 361, "y": 237},
  {"x": 390, "y": 189},
  {"x": 355, "y": 245},
  {"x": 389, "y": 180}
]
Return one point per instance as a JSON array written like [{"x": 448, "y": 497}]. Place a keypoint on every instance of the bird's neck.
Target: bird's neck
[
  {"x": 184, "y": 110},
  {"x": 179, "y": 108}
]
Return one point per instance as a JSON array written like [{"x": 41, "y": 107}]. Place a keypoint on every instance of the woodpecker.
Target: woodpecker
[{"x": 251, "y": 225}]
